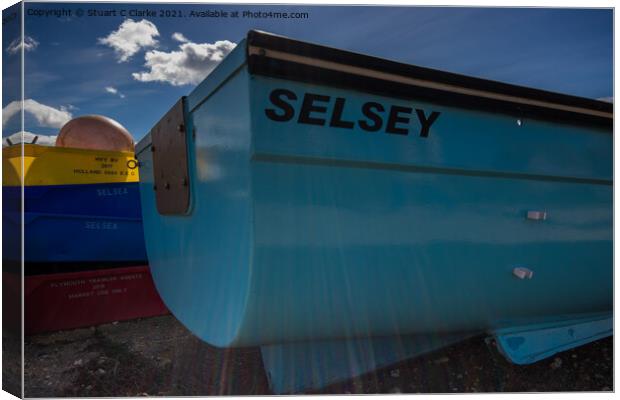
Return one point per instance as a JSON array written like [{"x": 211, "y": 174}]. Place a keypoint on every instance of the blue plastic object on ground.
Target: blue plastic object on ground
[{"x": 528, "y": 344}]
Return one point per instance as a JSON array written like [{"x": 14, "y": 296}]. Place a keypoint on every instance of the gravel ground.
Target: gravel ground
[{"x": 158, "y": 356}]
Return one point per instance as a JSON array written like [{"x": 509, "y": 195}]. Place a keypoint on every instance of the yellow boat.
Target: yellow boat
[{"x": 80, "y": 205}]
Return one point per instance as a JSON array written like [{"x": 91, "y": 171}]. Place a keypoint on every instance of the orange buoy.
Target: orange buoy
[{"x": 95, "y": 132}]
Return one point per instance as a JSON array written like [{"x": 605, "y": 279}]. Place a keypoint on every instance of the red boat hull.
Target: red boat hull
[{"x": 79, "y": 299}]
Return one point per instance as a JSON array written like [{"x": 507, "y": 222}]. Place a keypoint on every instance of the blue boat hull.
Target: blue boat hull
[
  {"x": 75, "y": 223},
  {"x": 315, "y": 231},
  {"x": 103, "y": 199}
]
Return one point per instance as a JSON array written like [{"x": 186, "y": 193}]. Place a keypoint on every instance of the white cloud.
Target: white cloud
[
  {"x": 130, "y": 37},
  {"x": 607, "y": 99},
  {"x": 16, "y": 45},
  {"x": 113, "y": 90},
  {"x": 188, "y": 65},
  {"x": 179, "y": 37},
  {"x": 9, "y": 111},
  {"x": 46, "y": 116}
]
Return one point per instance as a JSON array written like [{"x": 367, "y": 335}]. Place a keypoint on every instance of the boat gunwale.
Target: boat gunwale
[{"x": 282, "y": 57}]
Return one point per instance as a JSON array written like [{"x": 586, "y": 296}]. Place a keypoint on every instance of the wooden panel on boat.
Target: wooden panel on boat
[{"x": 169, "y": 149}]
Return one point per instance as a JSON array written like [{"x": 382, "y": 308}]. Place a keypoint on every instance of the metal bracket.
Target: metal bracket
[
  {"x": 170, "y": 162},
  {"x": 523, "y": 273},
  {"x": 535, "y": 215}
]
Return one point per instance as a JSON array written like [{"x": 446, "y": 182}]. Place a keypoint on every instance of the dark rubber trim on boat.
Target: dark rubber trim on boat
[{"x": 286, "y": 58}]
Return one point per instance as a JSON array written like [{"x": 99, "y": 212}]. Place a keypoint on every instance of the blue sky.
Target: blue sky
[{"x": 68, "y": 67}]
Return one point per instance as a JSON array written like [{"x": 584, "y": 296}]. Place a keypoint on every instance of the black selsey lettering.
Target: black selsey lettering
[
  {"x": 426, "y": 122},
  {"x": 288, "y": 111},
  {"x": 309, "y": 106},
  {"x": 336, "y": 120},
  {"x": 377, "y": 122},
  {"x": 318, "y": 109},
  {"x": 396, "y": 116}
]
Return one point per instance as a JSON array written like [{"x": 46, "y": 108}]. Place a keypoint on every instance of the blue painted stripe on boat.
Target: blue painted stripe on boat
[{"x": 277, "y": 158}]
